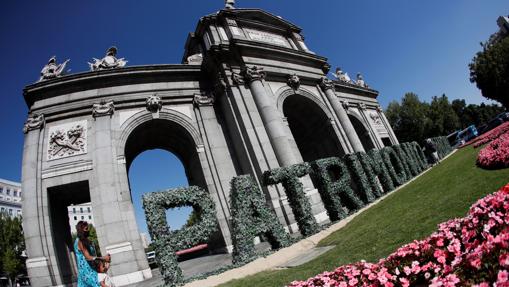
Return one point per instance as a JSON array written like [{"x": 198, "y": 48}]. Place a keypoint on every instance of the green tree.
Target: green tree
[
  {"x": 12, "y": 245},
  {"x": 443, "y": 119},
  {"x": 489, "y": 69},
  {"x": 409, "y": 119}
]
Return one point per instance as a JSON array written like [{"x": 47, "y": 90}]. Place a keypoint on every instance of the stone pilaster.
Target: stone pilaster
[
  {"x": 113, "y": 212},
  {"x": 374, "y": 137},
  {"x": 388, "y": 127},
  {"x": 328, "y": 88},
  {"x": 38, "y": 262}
]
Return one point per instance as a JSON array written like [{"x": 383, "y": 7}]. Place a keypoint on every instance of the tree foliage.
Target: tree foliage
[
  {"x": 489, "y": 69},
  {"x": 12, "y": 245},
  {"x": 416, "y": 120}
]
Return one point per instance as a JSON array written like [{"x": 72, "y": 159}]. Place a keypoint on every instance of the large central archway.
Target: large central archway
[{"x": 311, "y": 128}]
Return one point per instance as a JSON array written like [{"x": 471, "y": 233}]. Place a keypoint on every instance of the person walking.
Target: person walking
[
  {"x": 431, "y": 150},
  {"x": 85, "y": 252}
]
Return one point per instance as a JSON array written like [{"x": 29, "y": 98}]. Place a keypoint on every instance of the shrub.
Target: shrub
[
  {"x": 165, "y": 241},
  {"x": 333, "y": 180},
  {"x": 380, "y": 170},
  {"x": 250, "y": 217},
  {"x": 394, "y": 165},
  {"x": 471, "y": 251},
  {"x": 490, "y": 135},
  {"x": 289, "y": 178}
]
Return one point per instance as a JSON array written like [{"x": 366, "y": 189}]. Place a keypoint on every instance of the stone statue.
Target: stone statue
[
  {"x": 109, "y": 61},
  {"x": 229, "y": 4},
  {"x": 360, "y": 81},
  {"x": 52, "y": 70},
  {"x": 341, "y": 76}
]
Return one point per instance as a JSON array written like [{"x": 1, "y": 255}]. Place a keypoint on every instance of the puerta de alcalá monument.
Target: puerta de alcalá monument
[{"x": 249, "y": 96}]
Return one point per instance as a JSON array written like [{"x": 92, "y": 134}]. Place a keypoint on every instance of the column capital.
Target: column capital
[
  {"x": 103, "y": 108},
  {"x": 203, "y": 100},
  {"x": 253, "y": 73},
  {"x": 326, "y": 84},
  {"x": 34, "y": 122}
]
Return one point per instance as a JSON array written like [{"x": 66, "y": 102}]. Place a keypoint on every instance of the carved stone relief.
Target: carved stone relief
[
  {"x": 67, "y": 140},
  {"x": 293, "y": 82},
  {"x": 34, "y": 122},
  {"x": 154, "y": 104},
  {"x": 103, "y": 109}
]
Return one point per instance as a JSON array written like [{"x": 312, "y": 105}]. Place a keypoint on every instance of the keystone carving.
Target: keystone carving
[
  {"x": 34, "y": 122},
  {"x": 293, "y": 82},
  {"x": 103, "y": 109},
  {"x": 154, "y": 104}
]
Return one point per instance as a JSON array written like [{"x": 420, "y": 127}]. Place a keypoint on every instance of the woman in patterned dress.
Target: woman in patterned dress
[{"x": 85, "y": 251}]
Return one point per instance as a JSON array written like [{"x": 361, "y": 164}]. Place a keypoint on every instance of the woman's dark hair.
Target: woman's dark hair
[{"x": 82, "y": 235}]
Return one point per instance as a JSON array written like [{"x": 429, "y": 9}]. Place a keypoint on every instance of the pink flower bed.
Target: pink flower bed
[
  {"x": 489, "y": 136},
  {"x": 471, "y": 251},
  {"x": 495, "y": 154}
]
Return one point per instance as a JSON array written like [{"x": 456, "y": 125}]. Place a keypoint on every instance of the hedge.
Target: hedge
[
  {"x": 289, "y": 178},
  {"x": 443, "y": 146},
  {"x": 394, "y": 165},
  {"x": 166, "y": 242},
  {"x": 246, "y": 201},
  {"x": 380, "y": 170},
  {"x": 333, "y": 178}
]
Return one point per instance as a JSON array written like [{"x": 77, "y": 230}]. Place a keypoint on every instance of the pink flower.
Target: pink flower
[
  {"x": 503, "y": 260},
  {"x": 502, "y": 276}
]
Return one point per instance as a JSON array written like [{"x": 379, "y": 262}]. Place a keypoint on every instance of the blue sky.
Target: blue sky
[{"x": 398, "y": 45}]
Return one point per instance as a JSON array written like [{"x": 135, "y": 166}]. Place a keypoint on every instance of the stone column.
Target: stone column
[
  {"x": 37, "y": 262},
  {"x": 112, "y": 211},
  {"x": 328, "y": 88},
  {"x": 270, "y": 116}
]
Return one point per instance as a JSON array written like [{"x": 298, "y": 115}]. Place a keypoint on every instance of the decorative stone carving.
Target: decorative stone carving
[
  {"x": 203, "y": 100},
  {"x": 362, "y": 106},
  {"x": 360, "y": 81},
  {"x": 379, "y": 109},
  {"x": 293, "y": 82},
  {"x": 67, "y": 140},
  {"x": 229, "y": 4},
  {"x": 253, "y": 73},
  {"x": 195, "y": 59},
  {"x": 52, "y": 70},
  {"x": 220, "y": 85},
  {"x": 237, "y": 79},
  {"x": 326, "y": 84},
  {"x": 109, "y": 61},
  {"x": 103, "y": 109},
  {"x": 231, "y": 22},
  {"x": 154, "y": 103},
  {"x": 375, "y": 118},
  {"x": 342, "y": 76},
  {"x": 34, "y": 122},
  {"x": 346, "y": 104}
]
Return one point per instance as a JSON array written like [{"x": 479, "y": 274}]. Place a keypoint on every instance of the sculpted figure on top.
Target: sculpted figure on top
[
  {"x": 229, "y": 4},
  {"x": 109, "y": 61},
  {"x": 360, "y": 81},
  {"x": 342, "y": 76},
  {"x": 52, "y": 70}
]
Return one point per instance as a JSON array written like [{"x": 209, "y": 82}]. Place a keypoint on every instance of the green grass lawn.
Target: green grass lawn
[{"x": 445, "y": 192}]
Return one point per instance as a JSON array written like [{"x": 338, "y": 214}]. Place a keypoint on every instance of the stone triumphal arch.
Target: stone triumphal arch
[{"x": 249, "y": 96}]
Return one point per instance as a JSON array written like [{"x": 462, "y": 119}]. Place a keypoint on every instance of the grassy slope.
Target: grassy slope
[{"x": 445, "y": 192}]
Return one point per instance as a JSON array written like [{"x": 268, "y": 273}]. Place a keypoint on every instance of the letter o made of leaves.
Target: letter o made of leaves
[
  {"x": 394, "y": 165},
  {"x": 166, "y": 241}
]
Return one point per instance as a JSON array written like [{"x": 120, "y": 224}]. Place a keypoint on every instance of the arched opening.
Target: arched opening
[
  {"x": 362, "y": 133},
  {"x": 162, "y": 154},
  {"x": 155, "y": 170},
  {"x": 311, "y": 128}
]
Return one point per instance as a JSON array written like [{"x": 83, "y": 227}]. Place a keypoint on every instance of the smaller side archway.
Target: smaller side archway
[{"x": 362, "y": 132}]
